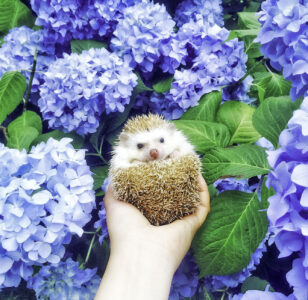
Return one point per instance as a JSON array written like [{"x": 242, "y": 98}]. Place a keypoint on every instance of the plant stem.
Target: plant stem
[
  {"x": 250, "y": 70},
  {"x": 31, "y": 78},
  {"x": 5, "y": 133},
  {"x": 99, "y": 155}
]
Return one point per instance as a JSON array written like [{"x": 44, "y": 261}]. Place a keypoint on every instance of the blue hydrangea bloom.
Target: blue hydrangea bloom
[
  {"x": 79, "y": 88},
  {"x": 141, "y": 32},
  {"x": 284, "y": 38},
  {"x": 261, "y": 295},
  {"x": 207, "y": 10},
  {"x": 232, "y": 184},
  {"x": 46, "y": 196},
  {"x": 162, "y": 104},
  {"x": 64, "y": 281},
  {"x": 185, "y": 279},
  {"x": 239, "y": 91},
  {"x": 287, "y": 212},
  {"x": 17, "y": 53},
  {"x": 214, "y": 63},
  {"x": 78, "y": 19}
]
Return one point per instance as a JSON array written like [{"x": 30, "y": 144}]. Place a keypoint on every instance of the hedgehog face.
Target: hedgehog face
[{"x": 153, "y": 144}]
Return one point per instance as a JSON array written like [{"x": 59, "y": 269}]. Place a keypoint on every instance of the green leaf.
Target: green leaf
[
  {"x": 272, "y": 116},
  {"x": 22, "y": 139},
  {"x": 237, "y": 116},
  {"x": 58, "y": 135},
  {"x": 255, "y": 283},
  {"x": 242, "y": 161},
  {"x": 251, "y": 49},
  {"x": 99, "y": 175},
  {"x": 231, "y": 233},
  {"x": 163, "y": 85},
  {"x": 141, "y": 87},
  {"x": 206, "y": 110},
  {"x": 27, "y": 119},
  {"x": 266, "y": 193},
  {"x": 274, "y": 86},
  {"x": 248, "y": 20},
  {"x": 13, "y": 13},
  {"x": 12, "y": 88},
  {"x": 77, "y": 46},
  {"x": 204, "y": 135},
  {"x": 241, "y": 33}
]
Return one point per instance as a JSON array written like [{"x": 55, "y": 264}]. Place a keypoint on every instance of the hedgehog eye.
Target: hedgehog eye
[
  {"x": 162, "y": 140},
  {"x": 139, "y": 146}
]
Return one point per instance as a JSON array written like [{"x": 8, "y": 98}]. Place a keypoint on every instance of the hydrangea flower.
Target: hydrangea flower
[
  {"x": 239, "y": 91},
  {"x": 287, "y": 212},
  {"x": 141, "y": 32},
  {"x": 66, "y": 20},
  {"x": 185, "y": 279},
  {"x": 209, "y": 11},
  {"x": 284, "y": 37},
  {"x": 261, "y": 295},
  {"x": 216, "y": 63},
  {"x": 17, "y": 53},
  {"x": 162, "y": 104},
  {"x": 46, "y": 196},
  {"x": 79, "y": 88},
  {"x": 64, "y": 281},
  {"x": 232, "y": 184}
]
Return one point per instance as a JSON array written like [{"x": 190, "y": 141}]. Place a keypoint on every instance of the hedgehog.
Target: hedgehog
[{"x": 155, "y": 168}]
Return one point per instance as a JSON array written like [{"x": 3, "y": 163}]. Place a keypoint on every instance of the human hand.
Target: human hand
[
  {"x": 144, "y": 257},
  {"x": 129, "y": 229}
]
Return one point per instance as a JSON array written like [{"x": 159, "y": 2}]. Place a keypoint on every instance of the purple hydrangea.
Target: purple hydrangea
[
  {"x": 231, "y": 184},
  {"x": 46, "y": 196},
  {"x": 79, "y": 88},
  {"x": 239, "y": 91},
  {"x": 215, "y": 63},
  {"x": 78, "y": 19},
  {"x": 284, "y": 38},
  {"x": 64, "y": 281},
  {"x": 287, "y": 212},
  {"x": 162, "y": 104},
  {"x": 261, "y": 295},
  {"x": 17, "y": 53},
  {"x": 142, "y": 32},
  {"x": 185, "y": 279},
  {"x": 209, "y": 11}
]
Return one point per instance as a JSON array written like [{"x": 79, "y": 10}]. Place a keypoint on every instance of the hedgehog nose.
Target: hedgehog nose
[{"x": 154, "y": 153}]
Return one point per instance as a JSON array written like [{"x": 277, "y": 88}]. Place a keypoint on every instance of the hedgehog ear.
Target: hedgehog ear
[{"x": 123, "y": 137}]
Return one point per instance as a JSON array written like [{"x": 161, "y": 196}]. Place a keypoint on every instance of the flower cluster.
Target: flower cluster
[
  {"x": 185, "y": 279},
  {"x": 284, "y": 37},
  {"x": 256, "y": 295},
  {"x": 209, "y": 11},
  {"x": 239, "y": 91},
  {"x": 64, "y": 281},
  {"x": 287, "y": 212},
  {"x": 66, "y": 20},
  {"x": 141, "y": 32},
  {"x": 46, "y": 196},
  {"x": 17, "y": 53},
  {"x": 215, "y": 63},
  {"x": 79, "y": 88}
]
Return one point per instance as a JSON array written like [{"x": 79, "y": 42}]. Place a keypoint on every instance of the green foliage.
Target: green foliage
[
  {"x": 237, "y": 116},
  {"x": 24, "y": 130},
  {"x": 163, "y": 85},
  {"x": 58, "y": 135},
  {"x": 233, "y": 230},
  {"x": 204, "y": 135},
  {"x": 248, "y": 20},
  {"x": 255, "y": 283},
  {"x": 242, "y": 161},
  {"x": 99, "y": 175},
  {"x": 272, "y": 116},
  {"x": 12, "y": 88},
  {"x": 206, "y": 110},
  {"x": 77, "y": 46},
  {"x": 13, "y": 13},
  {"x": 272, "y": 85}
]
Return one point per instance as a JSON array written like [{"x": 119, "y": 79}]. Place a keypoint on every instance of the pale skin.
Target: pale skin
[{"x": 144, "y": 257}]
